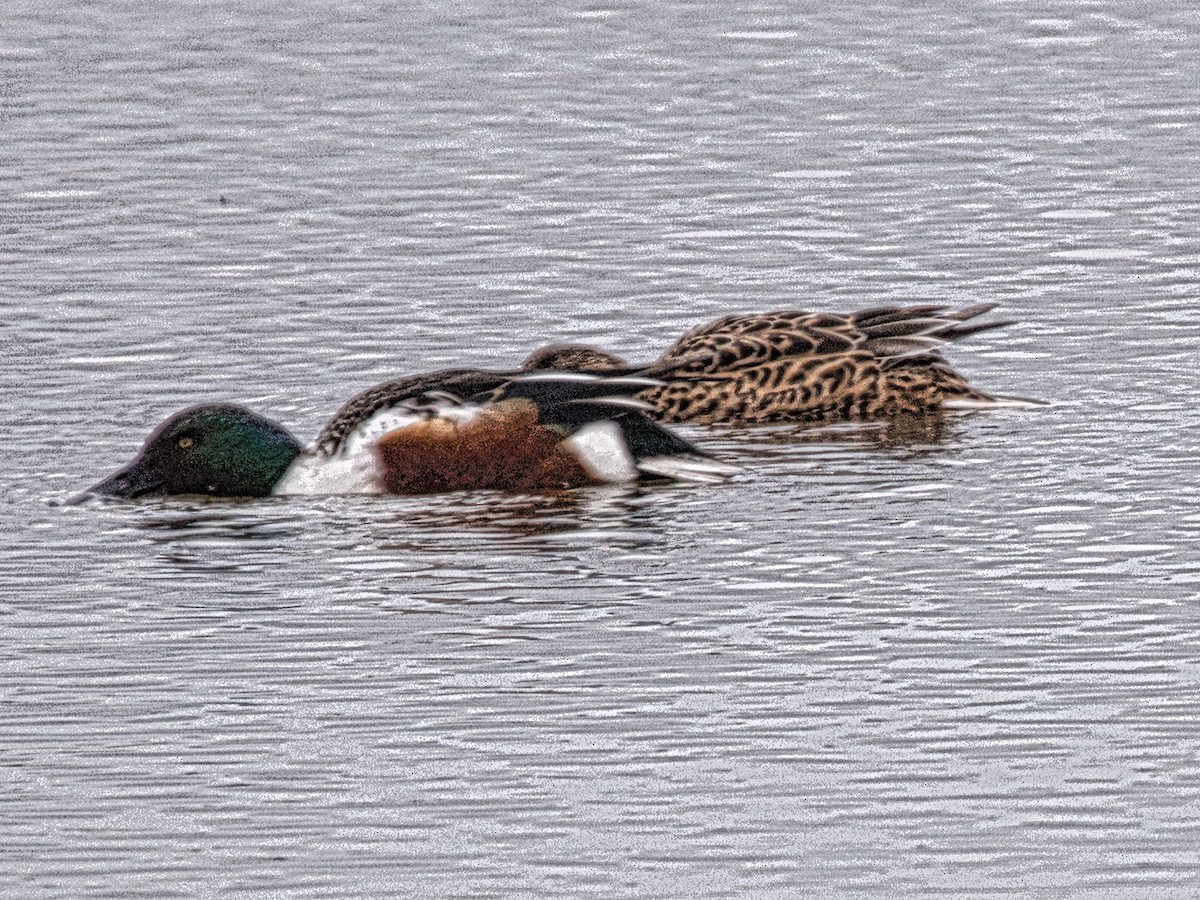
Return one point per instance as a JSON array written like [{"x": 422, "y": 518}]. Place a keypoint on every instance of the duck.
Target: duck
[
  {"x": 424, "y": 434},
  {"x": 796, "y": 366}
]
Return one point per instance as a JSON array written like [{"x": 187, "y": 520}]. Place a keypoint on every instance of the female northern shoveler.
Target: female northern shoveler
[
  {"x": 412, "y": 436},
  {"x": 794, "y": 366}
]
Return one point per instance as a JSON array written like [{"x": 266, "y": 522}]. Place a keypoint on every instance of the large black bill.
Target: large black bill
[{"x": 132, "y": 481}]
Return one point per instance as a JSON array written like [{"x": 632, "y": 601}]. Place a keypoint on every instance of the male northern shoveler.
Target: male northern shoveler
[
  {"x": 795, "y": 366},
  {"x": 412, "y": 436}
]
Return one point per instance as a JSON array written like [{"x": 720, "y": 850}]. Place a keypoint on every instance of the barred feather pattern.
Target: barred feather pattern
[{"x": 798, "y": 366}]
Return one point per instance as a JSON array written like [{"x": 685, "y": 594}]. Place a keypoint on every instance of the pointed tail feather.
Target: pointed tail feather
[
  {"x": 970, "y": 312},
  {"x": 993, "y": 401},
  {"x": 884, "y": 315},
  {"x": 661, "y": 452},
  {"x": 678, "y": 467},
  {"x": 957, "y": 332}
]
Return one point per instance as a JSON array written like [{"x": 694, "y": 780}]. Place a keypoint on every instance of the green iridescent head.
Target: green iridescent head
[{"x": 217, "y": 449}]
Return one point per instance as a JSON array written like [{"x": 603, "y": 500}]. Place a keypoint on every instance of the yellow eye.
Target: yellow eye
[{"x": 185, "y": 442}]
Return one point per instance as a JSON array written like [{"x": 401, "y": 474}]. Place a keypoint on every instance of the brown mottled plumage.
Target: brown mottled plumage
[{"x": 795, "y": 366}]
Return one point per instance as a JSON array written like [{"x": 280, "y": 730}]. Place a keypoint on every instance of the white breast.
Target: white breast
[{"x": 353, "y": 469}]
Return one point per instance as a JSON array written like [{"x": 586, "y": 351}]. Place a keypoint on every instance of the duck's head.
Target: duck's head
[
  {"x": 575, "y": 358},
  {"x": 217, "y": 449}
]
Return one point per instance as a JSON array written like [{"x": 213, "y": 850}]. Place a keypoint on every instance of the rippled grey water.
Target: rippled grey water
[{"x": 961, "y": 667}]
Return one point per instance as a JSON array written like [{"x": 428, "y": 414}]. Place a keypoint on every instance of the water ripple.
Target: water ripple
[{"x": 877, "y": 663}]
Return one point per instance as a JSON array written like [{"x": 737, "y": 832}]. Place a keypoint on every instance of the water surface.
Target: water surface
[{"x": 964, "y": 665}]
